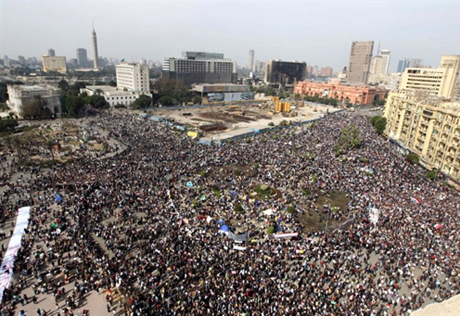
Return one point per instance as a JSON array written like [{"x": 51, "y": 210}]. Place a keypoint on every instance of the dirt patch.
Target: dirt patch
[
  {"x": 314, "y": 220},
  {"x": 334, "y": 199},
  {"x": 214, "y": 127},
  {"x": 225, "y": 117}
]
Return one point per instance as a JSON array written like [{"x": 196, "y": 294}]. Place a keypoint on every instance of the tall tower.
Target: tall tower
[
  {"x": 360, "y": 62},
  {"x": 251, "y": 60},
  {"x": 95, "y": 56}
]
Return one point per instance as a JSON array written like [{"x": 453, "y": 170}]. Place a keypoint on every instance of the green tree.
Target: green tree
[
  {"x": 143, "y": 101},
  {"x": 63, "y": 85},
  {"x": 99, "y": 102},
  {"x": 197, "y": 100},
  {"x": 412, "y": 158},
  {"x": 8, "y": 125},
  {"x": 3, "y": 92},
  {"x": 75, "y": 88},
  {"x": 350, "y": 138},
  {"x": 380, "y": 125},
  {"x": 432, "y": 174},
  {"x": 74, "y": 105},
  {"x": 165, "y": 100},
  {"x": 113, "y": 83}
]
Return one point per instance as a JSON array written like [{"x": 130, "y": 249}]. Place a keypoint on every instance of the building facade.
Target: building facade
[
  {"x": 200, "y": 67},
  {"x": 380, "y": 63},
  {"x": 56, "y": 63},
  {"x": 326, "y": 71},
  {"x": 285, "y": 72},
  {"x": 357, "y": 95},
  {"x": 436, "y": 81},
  {"x": 428, "y": 127},
  {"x": 360, "y": 62},
  {"x": 114, "y": 95},
  {"x": 133, "y": 77},
  {"x": 20, "y": 94},
  {"x": 251, "y": 60},
  {"x": 82, "y": 58}
]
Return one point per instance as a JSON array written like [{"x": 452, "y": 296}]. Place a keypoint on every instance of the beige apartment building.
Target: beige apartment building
[
  {"x": 436, "y": 81},
  {"x": 55, "y": 63},
  {"x": 428, "y": 127}
]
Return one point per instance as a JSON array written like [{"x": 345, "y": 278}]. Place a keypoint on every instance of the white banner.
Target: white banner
[
  {"x": 13, "y": 248},
  {"x": 285, "y": 235}
]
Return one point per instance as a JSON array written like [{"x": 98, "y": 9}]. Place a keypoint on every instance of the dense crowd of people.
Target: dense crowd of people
[{"x": 145, "y": 222}]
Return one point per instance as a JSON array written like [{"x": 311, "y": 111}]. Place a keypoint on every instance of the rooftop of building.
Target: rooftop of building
[{"x": 32, "y": 88}]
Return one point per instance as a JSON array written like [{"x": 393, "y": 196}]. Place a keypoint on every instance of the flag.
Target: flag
[{"x": 123, "y": 59}]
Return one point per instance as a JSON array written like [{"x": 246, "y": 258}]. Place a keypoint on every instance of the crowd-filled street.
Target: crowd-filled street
[{"x": 139, "y": 229}]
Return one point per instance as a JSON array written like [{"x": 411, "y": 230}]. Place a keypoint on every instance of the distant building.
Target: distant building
[
  {"x": 358, "y": 95},
  {"x": 360, "y": 62},
  {"x": 56, "y": 63},
  {"x": 20, "y": 94},
  {"x": 408, "y": 62},
  {"x": 114, "y": 95},
  {"x": 435, "y": 81},
  {"x": 326, "y": 71},
  {"x": 380, "y": 63},
  {"x": 285, "y": 72},
  {"x": 251, "y": 60},
  {"x": 133, "y": 77},
  {"x": 200, "y": 67},
  {"x": 82, "y": 58},
  {"x": 21, "y": 60},
  {"x": 51, "y": 52}
]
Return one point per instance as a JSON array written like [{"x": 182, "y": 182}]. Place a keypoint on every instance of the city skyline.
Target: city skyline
[{"x": 299, "y": 30}]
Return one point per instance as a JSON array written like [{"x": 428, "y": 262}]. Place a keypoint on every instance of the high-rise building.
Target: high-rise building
[
  {"x": 251, "y": 60},
  {"x": 326, "y": 71},
  {"x": 285, "y": 72},
  {"x": 200, "y": 67},
  {"x": 435, "y": 81},
  {"x": 360, "y": 62},
  {"x": 21, "y": 60},
  {"x": 95, "y": 55},
  {"x": 401, "y": 65},
  {"x": 408, "y": 62},
  {"x": 380, "y": 63},
  {"x": 55, "y": 63},
  {"x": 133, "y": 77},
  {"x": 51, "y": 52},
  {"x": 82, "y": 58}
]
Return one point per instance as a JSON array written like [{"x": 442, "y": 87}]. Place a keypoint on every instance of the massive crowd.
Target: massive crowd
[{"x": 137, "y": 223}]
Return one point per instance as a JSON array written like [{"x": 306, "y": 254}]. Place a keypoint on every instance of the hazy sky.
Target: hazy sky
[{"x": 318, "y": 32}]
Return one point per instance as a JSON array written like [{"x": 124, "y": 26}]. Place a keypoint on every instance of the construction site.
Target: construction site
[{"x": 217, "y": 122}]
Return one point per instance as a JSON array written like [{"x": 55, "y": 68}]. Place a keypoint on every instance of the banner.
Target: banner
[
  {"x": 285, "y": 235},
  {"x": 13, "y": 248}
]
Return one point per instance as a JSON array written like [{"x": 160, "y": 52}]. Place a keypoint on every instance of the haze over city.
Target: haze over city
[{"x": 314, "y": 32}]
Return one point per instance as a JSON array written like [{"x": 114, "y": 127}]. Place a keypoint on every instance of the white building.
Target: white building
[
  {"x": 435, "y": 81},
  {"x": 380, "y": 63},
  {"x": 114, "y": 95},
  {"x": 55, "y": 63},
  {"x": 19, "y": 94},
  {"x": 133, "y": 77}
]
